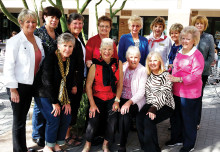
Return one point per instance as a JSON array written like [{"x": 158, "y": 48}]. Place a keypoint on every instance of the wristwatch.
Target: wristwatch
[
  {"x": 180, "y": 80},
  {"x": 117, "y": 100}
]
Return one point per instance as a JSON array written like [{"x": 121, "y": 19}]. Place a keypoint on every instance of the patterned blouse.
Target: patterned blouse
[
  {"x": 159, "y": 91},
  {"x": 49, "y": 44}
]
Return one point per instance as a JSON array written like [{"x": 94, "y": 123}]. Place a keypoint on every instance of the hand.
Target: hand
[
  {"x": 92, "y": 111},
  {"x": 56, "y": 110},
  {"x": 152, "y": 116},
  {"x": 173, "y": 79},
  {"x": 67, "y": 109},
  {"x": 14, "y": 95},
  {"x": 74, "y": 90},
  {"x": 125, "y": 107},
  {"x": 89, "y": 63},
  {"x": 115, "y": 106}
]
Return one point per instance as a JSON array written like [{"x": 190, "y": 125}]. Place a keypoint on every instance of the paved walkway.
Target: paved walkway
[{"x": 208, "y": 139}]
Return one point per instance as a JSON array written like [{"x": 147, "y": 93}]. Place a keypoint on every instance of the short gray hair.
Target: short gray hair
[
  {"x": 136, "y": 19},
  {"x": 25, "y": 13},
  {"x": 191, "y": 30},
  {"x": 133, "y": 49},
  {"x": 106, "y": 42},
  {"x": 65, "y": 37}
]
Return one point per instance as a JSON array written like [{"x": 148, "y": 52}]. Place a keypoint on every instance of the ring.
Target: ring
[{"x": 116, "y": 107}]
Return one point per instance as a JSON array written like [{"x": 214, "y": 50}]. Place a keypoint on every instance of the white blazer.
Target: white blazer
[{"x": 20, "y": 60}]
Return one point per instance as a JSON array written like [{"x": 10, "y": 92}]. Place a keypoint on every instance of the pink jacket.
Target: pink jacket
[
  {"x": 189, "y": 67},
  {"x": 138, "y": 82}
]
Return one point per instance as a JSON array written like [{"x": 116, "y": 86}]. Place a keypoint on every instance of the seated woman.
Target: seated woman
[
  {"x": 159, "y": 103},
  {"x": 103, "y": 88},
  {"x": 132, "y": 98},
  {"x": 53, "y": 85}
]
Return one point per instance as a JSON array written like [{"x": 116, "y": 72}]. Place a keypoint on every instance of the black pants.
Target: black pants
[
  {"x": 204, "y": 80},
  {"x": 147, "y": 129},
  {"x": 20, "y": 111},
  {"x": 125, "y": 122},
  {"x": 107, "y": 116}
]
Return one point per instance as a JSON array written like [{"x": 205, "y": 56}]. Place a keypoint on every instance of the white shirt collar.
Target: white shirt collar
[{"x": 190, "y": 52}]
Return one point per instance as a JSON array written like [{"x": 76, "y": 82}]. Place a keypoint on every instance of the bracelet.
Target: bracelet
[
  {"x": 180, "y": 80},
  {"x": 117, "y": 100}
]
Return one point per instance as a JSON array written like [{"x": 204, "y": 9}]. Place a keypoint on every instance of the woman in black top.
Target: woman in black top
[{"x": 54, "y": 84}]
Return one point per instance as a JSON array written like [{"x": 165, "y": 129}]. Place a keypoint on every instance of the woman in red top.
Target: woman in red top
[
  {"x": 93, "y": 44},
  {"x": 103, "y": 87}
]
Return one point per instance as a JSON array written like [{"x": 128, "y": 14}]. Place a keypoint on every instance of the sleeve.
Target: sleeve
[
  {"x": 170, "y": 56},
  {"x": 197, "y": 69},
  {"x": 168, "y": 51},
  {"x": 115, "y": 51},
  {"x": 47, "y": 77},
  {"x": 121, "y": 49},
  {"x": 141, "y": 86},
  {"x": 211, "y": 52},
  {"x": 89, "y": 50},
  {"x": 12, "y": 50}
]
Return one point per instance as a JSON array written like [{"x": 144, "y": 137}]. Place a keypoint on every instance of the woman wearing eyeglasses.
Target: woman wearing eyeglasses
[
  {"x": 93, "y": 44},
  {"x": 135, "y": 24}
]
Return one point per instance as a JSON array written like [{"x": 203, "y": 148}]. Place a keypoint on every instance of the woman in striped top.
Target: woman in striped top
[{"x": 159, "y": 103}]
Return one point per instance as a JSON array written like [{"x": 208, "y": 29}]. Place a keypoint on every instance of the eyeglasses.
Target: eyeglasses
[
  {"x": 102, "y": 26},
  {"x": 137, "y": 26}
]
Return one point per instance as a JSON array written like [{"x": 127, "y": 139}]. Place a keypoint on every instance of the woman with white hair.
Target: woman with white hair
[
  {"x": 132, "y": 98},
  {"x": 103, "y": 88},
  {"x": 135, "y": 24}
]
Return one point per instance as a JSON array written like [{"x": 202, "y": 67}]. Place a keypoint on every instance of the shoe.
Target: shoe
[
  {"x": 105, "y": 148},
  {"x": 74, "y": 142},
  {"x": 183, "y": 149},
  {"x": 86, "y": 149},
  {"x": 31, "y": 150},
  {"x": 40, "y": 142},
  {"x": 173, "y": 143}
]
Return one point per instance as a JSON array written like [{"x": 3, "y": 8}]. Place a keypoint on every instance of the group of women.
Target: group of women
[{"x": 52, "y": 68}]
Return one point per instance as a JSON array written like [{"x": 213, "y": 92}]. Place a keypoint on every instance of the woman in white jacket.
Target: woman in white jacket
[
  {"x": 24, "y": 54},
  {"x": 132, "y": 98}
]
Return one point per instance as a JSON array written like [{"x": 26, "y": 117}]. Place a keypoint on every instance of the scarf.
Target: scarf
[
  {"x": 108, "y": 75},
  {"x": 63, "y": 95},
  {"x": 158, "y": 40}
]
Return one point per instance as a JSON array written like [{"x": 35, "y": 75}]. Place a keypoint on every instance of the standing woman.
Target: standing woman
[
  {"x": 93, "y": 44},
  {"x": 23, "y": 57},
  {"x": 48, "y": 36},
  {"x": 159, "y": 42},
  {"x": 206, "y": 47},
  {"x": 159, "y": 103},
  {"x": 75, "y": 25},
  {"x": 54, "y": 84},
  {"x": 186, "y": 75},
  {"x": 103, "y": 87},
  {"x": 135, "y": 24}
]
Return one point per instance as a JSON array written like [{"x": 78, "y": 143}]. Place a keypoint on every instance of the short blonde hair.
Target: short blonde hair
[
  {"x": 25, "y": 13},
  {"x": 200, "y": 19},
  {"x": 158, "y": 20},
  {"x": 191, "y": 30},
  {"x": 176, "y": 27},
  {"x": 159, "y": 58},
  {"x": 106, "y": 42},
  {"x": 136, "y": 19},
  {"x": 133, "y": 49}
]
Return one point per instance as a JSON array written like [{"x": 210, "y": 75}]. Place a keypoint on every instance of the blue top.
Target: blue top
[
  {"x": 173, "y": 52},
  {"x": 126, "y": 40}
]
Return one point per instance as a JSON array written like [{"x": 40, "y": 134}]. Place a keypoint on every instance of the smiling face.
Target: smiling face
[
  {"x": 175, "y": 36},
  {"x": 76, "y": 27},
  {"x": 157, "y": 30},
  {"x": 135, "y": 28},
  {"x": 187, "y": 42},
  {"x": 28, "y": 25},
  {"x": 200, "y": 26},
  {"x": 106, "y": 53},
  {"x": 51, "y": 21},
  {"x": 104, "y": 28},
  {"x": 154, "y": 64},
  {"x": 66, "y": 49},
  {"x": 133, "y": 60}
]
